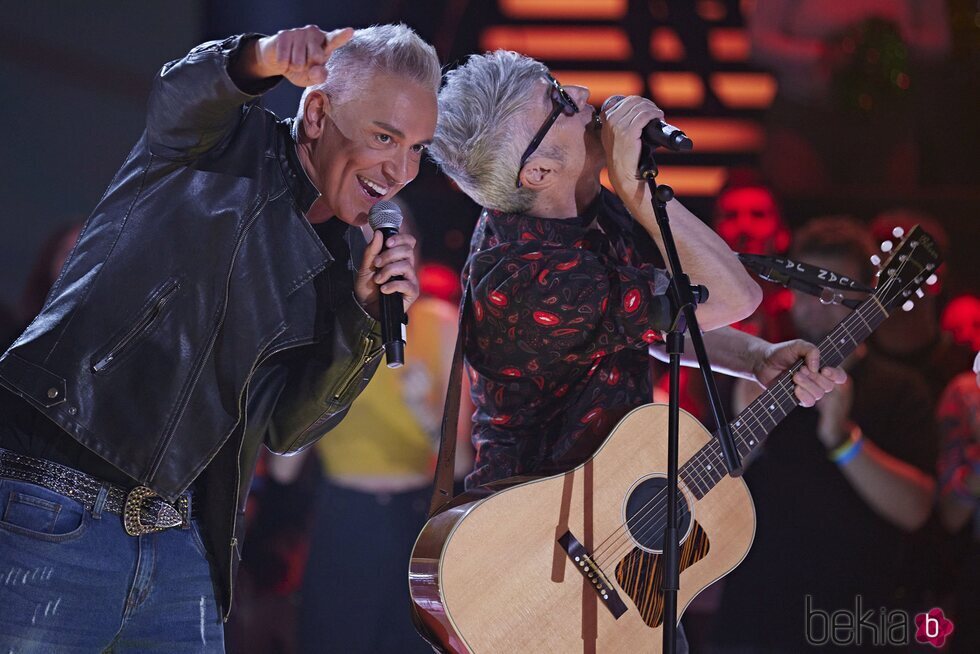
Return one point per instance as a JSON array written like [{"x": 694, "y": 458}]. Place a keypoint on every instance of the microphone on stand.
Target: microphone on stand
[
  {"x": 386, "y": 217},
  {"x": 657, "y": 132}
]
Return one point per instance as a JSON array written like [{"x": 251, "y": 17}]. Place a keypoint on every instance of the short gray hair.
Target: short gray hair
[
  {"x": 380, "y": 49},
  {"x": 480, "y": 135}
]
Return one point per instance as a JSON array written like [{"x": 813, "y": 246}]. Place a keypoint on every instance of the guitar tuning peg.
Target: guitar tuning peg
[
  {"x": 876, "y": 260},
  {"x": 931, "y": 280},
  {"x": 886, "y": 246},
  {"x": 898, "y": 232},
  {"x": 919, "y": 293},
  {"x": 908, "y": 305}
]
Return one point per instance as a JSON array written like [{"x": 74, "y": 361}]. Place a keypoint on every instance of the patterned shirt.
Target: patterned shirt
[
  {"x": 561, "y": 316},
  {"x": 959, "y": 424}
]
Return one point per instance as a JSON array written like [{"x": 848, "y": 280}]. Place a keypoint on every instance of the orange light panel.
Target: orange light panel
[
  {"x": 694, "y": 180},
  {"x": 665, "y": 45},
  {"x": 596, "y": 43},
  {"x": 672, "y": 90},
  {"x": 594, "y": 9},
  {"x": 744, "y": 90},
  {"x": 602, "y": 84},
  {"x": 729, "y": 44},
  {"x": 722, "y": 134},
  {"x": 686, "y": 180}
]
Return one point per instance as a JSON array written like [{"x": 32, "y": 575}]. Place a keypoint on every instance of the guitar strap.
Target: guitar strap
[{"x": 442, "y": 491}]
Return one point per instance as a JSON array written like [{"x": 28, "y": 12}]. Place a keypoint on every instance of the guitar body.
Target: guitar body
[
  {"x": 495, "y": 575},
  {"x": 570, "y": 563}
]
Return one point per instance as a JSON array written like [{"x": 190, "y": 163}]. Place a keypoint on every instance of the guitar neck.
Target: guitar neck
[{"x": 751, "y": 427}]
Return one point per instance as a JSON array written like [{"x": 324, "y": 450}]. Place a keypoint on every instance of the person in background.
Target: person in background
[
  {"x": 915, "y": 339},
  {"x": 839, "y": 489},
  {"x": 959, "y": 499},
  {"x": 961, "y": 318},
  {"x": 376, "y": 486}
]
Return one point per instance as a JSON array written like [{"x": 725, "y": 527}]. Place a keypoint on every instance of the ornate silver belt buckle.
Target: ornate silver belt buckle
[{"x": 167, "y": 516}]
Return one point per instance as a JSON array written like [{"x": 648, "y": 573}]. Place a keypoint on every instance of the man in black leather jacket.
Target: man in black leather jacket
[{"x": 213, "y": 302}]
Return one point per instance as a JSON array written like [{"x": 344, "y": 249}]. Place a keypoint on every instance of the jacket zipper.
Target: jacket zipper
[
  {"x": 352, "y": 376},
  {"x": 238, "y": 469},
  {"x": 141, "y": 326},
  {"x": 158, "y": 458}
]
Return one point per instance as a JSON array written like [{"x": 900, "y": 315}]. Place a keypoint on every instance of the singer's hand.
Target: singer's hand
[
  {"x": 377, "y": 269},
  {"x": 297, "y": 54},
  {"x": 812, "y": 382},
  {"x": 621, "y": 130}
]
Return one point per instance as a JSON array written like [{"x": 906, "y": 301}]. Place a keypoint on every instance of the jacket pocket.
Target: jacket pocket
[
  {"x": 107, "y": 356},
  {"x": 346, "y": 383}
]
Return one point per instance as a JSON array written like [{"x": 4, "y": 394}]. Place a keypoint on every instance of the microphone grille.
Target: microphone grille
[{"x": 385, "y": 214}]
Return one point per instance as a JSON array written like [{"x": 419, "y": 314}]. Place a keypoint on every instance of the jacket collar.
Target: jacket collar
[{"x": 298, "y": 182}]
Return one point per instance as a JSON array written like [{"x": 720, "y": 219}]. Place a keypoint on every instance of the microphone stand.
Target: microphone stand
[{"x": 683, "y": 297}]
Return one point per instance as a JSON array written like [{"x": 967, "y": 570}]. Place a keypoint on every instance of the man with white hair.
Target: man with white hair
[
  {"x": 564, "y": 301},
  {"x": 220, "y": 296}
]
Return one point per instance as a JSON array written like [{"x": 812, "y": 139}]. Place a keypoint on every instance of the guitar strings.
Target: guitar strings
[
  {"x": 644, "y": 517},
  {"x": 778, "y": 385}
]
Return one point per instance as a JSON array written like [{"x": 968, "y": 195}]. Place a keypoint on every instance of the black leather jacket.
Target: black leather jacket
[{"x": 200, "y": 313}]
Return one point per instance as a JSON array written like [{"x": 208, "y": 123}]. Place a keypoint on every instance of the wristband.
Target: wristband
[{"x": 849, "y": 449}]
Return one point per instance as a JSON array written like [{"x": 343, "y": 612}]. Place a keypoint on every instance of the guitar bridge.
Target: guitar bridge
[{"x": 593, "y": 574}]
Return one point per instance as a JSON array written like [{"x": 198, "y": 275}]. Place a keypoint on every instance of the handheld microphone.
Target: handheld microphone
[
  {"x": 657, "y": 132},
  {"x": 386, "y": 217}
]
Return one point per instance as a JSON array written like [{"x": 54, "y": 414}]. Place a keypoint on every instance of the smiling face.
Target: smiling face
[{"x": 366, "y": 149}]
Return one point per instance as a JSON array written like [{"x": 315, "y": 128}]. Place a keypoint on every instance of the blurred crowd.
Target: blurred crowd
[{"x": 330, "y": 530}]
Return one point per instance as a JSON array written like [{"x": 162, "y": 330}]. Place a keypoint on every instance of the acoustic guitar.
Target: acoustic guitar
[{"x": 572, "y": 562}]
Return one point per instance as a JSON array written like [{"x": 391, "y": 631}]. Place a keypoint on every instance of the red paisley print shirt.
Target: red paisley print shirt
[{"x": 560, "y": 319}]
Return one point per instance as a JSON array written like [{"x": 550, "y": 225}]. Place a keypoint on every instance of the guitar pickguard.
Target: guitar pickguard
[{"x": 640, "y": 574}]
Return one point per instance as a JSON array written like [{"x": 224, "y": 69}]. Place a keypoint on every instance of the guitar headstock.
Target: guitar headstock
[{"x": 912, "y": 263}]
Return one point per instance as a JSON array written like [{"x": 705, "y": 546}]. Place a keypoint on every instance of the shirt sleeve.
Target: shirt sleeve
[
  {"x": 959, "y": 418},
  {"x": 194, "y": 104},
  {"x": 570, "y": 304}
]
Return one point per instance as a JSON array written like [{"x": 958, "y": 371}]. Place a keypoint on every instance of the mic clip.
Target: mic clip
[{"x": 823, "y": 284}]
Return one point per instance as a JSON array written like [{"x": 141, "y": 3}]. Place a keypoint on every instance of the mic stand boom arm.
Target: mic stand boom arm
[{"x": 683, "y": 298}]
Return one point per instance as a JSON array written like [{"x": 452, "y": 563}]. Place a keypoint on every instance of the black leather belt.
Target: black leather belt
[{"x": 143, "y": 511}]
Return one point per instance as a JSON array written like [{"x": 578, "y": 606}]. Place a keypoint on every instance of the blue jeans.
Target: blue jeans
[
  {"x": 72, "y": 580},
  {"x": 361, "y": 605}
]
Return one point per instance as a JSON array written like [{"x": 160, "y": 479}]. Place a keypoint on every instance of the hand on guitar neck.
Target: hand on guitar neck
[{"x": 812, "y": 382}]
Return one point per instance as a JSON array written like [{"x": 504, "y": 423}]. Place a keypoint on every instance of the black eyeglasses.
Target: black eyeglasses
[{"x": 563, "y": 105}]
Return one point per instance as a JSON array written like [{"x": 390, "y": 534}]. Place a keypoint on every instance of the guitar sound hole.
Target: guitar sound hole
[{"x": 646, "y": 513}]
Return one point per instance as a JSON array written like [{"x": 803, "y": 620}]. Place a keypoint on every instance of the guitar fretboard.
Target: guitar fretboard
[{"x": 750, "y": 428}]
